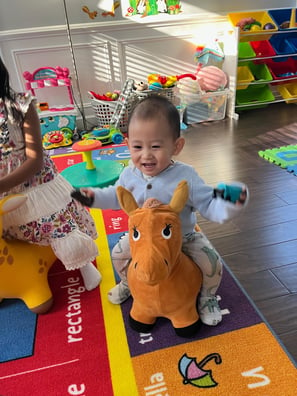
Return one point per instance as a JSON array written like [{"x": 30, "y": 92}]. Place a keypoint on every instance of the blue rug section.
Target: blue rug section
[{"x": 18, "y": 326}]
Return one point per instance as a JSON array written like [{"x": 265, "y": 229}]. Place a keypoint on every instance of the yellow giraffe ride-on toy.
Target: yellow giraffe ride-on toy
[{"x": 24, "y": 267}]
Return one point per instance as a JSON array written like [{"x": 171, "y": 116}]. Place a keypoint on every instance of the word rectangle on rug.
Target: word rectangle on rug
[{"x": 85, "y": 346}]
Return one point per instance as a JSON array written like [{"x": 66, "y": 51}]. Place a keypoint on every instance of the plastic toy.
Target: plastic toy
[
  {"x": 24, "y": 267},
  {"x": 158, "y": 81},
  {"x": 58, "y": 118},
  {"x": 211, "y": 78},
  {"x": 43, "y": 106},
  {"x": 56, "y": 139},
  {"x": 109, "y": 96},
  {"x": 56, "y": 122},
  {"x": 209, "y": 54},
  {"x": 115, "y": 115},
  {"x": 91, "y": 172},
  {"x": 164, "y": 282},
  {"x": 49, "y": 77},
  {"x": 105, "y": 135},
  {"x": 141, "y": 86}
]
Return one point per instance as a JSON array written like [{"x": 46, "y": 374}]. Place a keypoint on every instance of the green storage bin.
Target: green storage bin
[
  {"x": 253, "y": 95},
  {"x": 245, "y": 51},
  {"x": 260, "y": 71}
]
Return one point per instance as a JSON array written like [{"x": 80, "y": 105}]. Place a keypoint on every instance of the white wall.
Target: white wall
[
  {"x": 107, "y": 50},
  {"x": 22, "y": 14}
]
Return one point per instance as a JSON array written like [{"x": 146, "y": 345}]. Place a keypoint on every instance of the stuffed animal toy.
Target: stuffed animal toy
[
  {"x": 141, "y": 86},
  {"x": 24, "y": 267},
  {"x": 164, "y": 282}
]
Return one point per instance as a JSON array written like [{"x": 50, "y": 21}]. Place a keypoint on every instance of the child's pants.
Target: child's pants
[{"x": 195, "y": 245}]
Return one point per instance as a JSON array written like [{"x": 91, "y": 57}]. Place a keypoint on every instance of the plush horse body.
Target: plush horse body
[
  {"x": 163, "y": 281},
  {"x": 24, "y": 267}
]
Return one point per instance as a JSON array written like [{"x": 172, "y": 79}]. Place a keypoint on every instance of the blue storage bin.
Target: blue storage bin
[
  {"x": 293, "y": 42},
  {"x": 282, "y": 45},
  {"x": 280, "y": 16}
]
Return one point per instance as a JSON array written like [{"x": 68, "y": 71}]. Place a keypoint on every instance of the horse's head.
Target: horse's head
[{"x": 155, "y": 233}]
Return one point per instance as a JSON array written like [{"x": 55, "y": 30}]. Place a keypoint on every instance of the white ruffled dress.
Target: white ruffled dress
[{"x": 49, "y": 216}]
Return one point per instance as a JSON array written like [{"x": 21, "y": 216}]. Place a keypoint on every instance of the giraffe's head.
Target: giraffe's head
[{"x": 10, "y": 203}]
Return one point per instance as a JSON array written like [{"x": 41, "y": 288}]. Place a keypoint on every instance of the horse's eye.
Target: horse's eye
[
  {"x": 166, "y": 232},
  {"x": 136, "y": 234}
]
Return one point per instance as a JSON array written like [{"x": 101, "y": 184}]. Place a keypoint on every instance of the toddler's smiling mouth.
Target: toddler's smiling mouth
[{"x": 147, "y": 165}]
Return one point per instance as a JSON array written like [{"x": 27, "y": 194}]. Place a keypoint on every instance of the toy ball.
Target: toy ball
[
  {"x": 211, "y": 78},
  {"x": 268, "y": 26},
  {"x": 155, "y": 85},
  {"x": 285, "y": 25},
  {"x": 255, "y": 27}
]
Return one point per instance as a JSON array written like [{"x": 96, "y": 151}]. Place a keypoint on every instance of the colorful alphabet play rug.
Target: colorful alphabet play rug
[
  {"x": 285, "y": 157},
  {"x": 84, "y": 345}
]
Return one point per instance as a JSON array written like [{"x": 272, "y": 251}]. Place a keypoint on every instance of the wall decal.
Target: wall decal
[
  {"x": 92, "y": 14},
  {"x": 109, "y": 7},
  {"x": 153, "y": 7}
]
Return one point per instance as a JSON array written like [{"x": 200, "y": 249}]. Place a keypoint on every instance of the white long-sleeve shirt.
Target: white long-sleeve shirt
[{"x": 201, "y": 196}]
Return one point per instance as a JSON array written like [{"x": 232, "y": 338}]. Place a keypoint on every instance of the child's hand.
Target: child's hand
[
  {"x": 233, "y": 193},
  {"x": 84, "y": 196}
]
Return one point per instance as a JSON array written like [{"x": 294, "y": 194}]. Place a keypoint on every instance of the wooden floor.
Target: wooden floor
[{"x": 260, "y": 246}]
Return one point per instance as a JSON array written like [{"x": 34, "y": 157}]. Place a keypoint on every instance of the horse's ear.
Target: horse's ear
[
  {"x": 180, "y": 196},
  {"x": 126, "y": 200}
]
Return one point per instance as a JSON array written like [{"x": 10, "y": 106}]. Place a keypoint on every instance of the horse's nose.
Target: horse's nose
[{"x": 152, "y": 272}]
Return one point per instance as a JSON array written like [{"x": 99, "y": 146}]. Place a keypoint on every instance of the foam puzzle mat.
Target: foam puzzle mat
[{"x": 285, "y": 157}]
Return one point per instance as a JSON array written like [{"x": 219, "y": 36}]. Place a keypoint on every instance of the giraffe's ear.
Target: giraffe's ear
[{"x": 11, "y": 202}]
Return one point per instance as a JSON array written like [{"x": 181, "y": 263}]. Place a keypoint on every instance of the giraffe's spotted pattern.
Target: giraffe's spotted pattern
[{"x": 5, "y": 257}]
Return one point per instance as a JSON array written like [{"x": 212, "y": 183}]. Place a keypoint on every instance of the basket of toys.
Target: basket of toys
[
  {"x": 158, "y": 84},
  {"x": 167, "y": 92},
  {"x": 104, "y": 109}
]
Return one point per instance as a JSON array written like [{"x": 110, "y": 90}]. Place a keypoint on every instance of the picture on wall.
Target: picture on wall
[{"x": 144, "y": 8}]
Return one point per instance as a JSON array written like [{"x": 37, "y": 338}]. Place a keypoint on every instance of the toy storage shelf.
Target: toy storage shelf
[{"x": 275, "y": 86}]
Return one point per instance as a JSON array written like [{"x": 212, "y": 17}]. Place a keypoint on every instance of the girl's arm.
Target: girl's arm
[{"x": 33, "y": 150}]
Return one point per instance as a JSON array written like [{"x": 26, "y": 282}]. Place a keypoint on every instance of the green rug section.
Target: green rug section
[{"x": 284, "y": 157}]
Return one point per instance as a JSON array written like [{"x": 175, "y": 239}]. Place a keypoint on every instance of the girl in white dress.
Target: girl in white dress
[{"x": 49, "y": 216}]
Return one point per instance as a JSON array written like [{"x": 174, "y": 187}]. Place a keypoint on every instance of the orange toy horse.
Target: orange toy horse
[{"x": 164, "y": 282}]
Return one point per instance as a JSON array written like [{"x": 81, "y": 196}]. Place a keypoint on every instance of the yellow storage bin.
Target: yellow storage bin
[
  {"x": 244, "y": 77},
  {"x": 260, "y": 16},
  {"x": 288, "y": 91}
]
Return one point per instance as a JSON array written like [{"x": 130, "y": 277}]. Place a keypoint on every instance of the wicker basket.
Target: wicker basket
[
  {"x": 105, "y": 109},
  {"x": 169, "y": 93}
]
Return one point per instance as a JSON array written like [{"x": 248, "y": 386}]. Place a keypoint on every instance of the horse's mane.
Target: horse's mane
[{"x": 151, "y": 203}]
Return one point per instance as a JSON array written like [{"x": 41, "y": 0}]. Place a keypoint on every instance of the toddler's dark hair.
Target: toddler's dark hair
[{"x": 156, "y": 106}]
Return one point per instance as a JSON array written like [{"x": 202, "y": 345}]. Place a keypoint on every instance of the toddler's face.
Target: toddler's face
[{"x": 152, "y": 145}]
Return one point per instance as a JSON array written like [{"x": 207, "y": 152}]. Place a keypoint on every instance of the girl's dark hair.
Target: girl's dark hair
[
  {"x": 156, "y": 106},
  {"x": 7, "y": 97}
]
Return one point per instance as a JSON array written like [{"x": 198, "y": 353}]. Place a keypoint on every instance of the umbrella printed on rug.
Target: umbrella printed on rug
[{"x": 194, "y": 374}]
